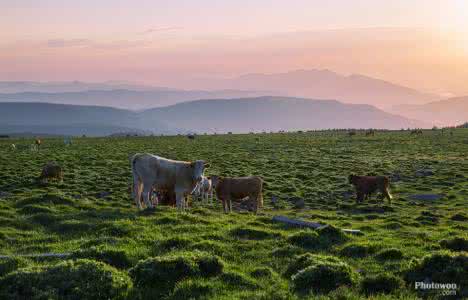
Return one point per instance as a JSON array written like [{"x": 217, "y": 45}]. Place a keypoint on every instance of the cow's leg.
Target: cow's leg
[
  {"x": 147, "y": 188},
  {"x": 137, "y": 194},
  {"x": 180, "y": 201},
  {"x": 229, "y": 203}
]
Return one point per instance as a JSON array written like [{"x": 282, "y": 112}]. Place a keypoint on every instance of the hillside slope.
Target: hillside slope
[{"x": 449, "y": 112}]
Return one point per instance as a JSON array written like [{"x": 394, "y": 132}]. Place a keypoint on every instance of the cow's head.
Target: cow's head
[{"x": 198, "y": 168}]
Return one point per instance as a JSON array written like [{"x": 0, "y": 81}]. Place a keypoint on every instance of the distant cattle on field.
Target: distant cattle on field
[
  {"x": 416, "y": 132},
  {"x": 230, "y": 189},
  {"x": 51, "y": 170},
  {"x": 162, "y": 174},
  {"x": 370, "y": 132},
  {"x": 191, "y": 136},
  {"x": 38, "y": 143},
  {"x": 351, "y": 133},
  {"x": 366, "y": 185}
]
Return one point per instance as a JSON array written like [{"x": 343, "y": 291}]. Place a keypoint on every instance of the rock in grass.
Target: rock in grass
[
  {"x": 381, "y": 284},
  {"x": 440, "y": 267},
  {"x": 81, "y": 279},
  {"x": 455, "y": 244}
]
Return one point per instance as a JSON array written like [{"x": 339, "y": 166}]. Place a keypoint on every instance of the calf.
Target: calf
[
  {"x": 237, "y": 188},
  {"x": 366, "y": 185},
  {"x": 204, "y": 189}
]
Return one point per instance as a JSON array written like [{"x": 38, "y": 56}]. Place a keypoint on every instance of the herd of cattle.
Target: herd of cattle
[{"x": 158, "y": 180}]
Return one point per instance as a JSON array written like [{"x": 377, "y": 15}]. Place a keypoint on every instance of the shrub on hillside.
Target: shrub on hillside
[
  {"x": 305, "y": 239},
  {"x": 441, "y": 268},
  {"x": 323, "y": 277},
  {"x": 389, "y": 254},
  {"x": 81, "y": 279},
  {"x": 358, "y": 250},
  {"x": 159, "y": 275},
  {"x": 10, "y": 264},
  {"x": 303, "y": 261},
  {"x": 455, "y": 244},
  {"x": 114, "y": 257},
  {"x": 381, "y": 284},
  {"x": 192, "y": 289}
]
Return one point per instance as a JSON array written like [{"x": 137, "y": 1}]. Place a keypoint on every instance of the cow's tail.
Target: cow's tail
[
  {"x": 386, "y": 191},
  {"x": 136, "y": 180}
]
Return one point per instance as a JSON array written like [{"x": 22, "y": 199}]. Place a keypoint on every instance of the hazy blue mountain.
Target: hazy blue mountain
[
  {"x": 449, "y": 112},
  {"x": 325, "y": 84},
  {"x": 215, "y": 115},
  {"x": 70, "y": 119},
  {"x": 71, "y": 86},
  {"x": 121, "y": 96},
  {"x": 273, "y": 113}
]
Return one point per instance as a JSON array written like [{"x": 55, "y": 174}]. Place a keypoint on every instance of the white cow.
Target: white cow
[
  {"x": 204, "y": 189},
  {"x": 155, "y": 172}
]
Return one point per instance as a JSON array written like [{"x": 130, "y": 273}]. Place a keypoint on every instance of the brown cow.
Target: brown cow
[
  {"x": 366, "y": 185},
  {"x": 51, "y": 171},
  {"x": 237, "y": 188}
]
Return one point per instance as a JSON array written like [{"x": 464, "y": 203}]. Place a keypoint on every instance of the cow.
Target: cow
[
  {"x": 159, "y": 173},
  {"x": 237, "y": 188},
  {"x": 204, "y": 189},
  {"x": 371, "y": 132},
  {"x": 351, "y": 133},
  {"x": 51, "y": 170},
  {"x": 38, "y": 143},
  {"x": 416, "y": 132},
  {"x": 366, "y": 185}
]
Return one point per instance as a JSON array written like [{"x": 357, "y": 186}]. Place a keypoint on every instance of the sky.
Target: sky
[{"x": 419, "y": 43}]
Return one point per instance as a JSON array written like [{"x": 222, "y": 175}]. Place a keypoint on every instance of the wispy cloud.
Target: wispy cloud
[
  {"x": 61, "y": 43},
  {"x": 161, "y": 29}
]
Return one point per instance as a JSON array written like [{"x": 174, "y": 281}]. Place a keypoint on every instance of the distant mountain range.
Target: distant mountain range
[
  {"x": 121, "y": 95},
  {"x": 449, "y": 112},
  {"x": 325, "y": 84},
  {"x": 315, "y": 84},
  {"x": 215, "y": 115}
]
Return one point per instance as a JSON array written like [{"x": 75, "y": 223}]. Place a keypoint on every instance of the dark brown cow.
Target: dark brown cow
[{"x": 366, "y": 185}]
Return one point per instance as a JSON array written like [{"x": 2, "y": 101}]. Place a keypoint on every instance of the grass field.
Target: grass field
[{"x": 119, "y": 252}]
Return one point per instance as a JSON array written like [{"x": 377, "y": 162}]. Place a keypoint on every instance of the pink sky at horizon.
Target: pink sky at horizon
[{"x": 418, "y": 43}]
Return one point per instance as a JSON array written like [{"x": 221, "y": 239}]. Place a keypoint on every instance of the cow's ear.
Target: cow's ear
[
  {"x": 207, "y": 165},
  {"x": 192, "y": 164}
]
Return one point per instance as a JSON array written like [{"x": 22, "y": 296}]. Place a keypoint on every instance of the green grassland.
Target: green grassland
[{"x": 118, "y": 252}]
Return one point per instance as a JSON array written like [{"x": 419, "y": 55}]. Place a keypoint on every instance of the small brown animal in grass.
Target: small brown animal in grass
[
  {"x": 366, "y": 185},
  {"x": 230, "y": 189},
  {"x": 38, "y": 143},
  {"x": 51, "y": 171}
]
